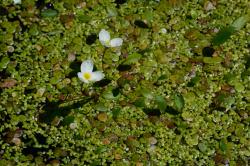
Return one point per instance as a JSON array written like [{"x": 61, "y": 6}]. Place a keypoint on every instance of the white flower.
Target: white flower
[
  {"x": 17, "y": 1},
  {"x": 104, "y": 38},
  {"x": 87, "y": 75}
]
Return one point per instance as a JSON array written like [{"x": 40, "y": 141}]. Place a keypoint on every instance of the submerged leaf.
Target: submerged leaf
[
  {"x": 4, "y": 62},
  {"x": 240, "y": 23},
  {"x": 49, "y": 13},
  {"x": 161, "y": 102},
  {"x": 223, "y": 35},
  {"x": 223, "y": 145},
  {"x": 133, "y": 58},
  {"x": 179, "y": 101}
]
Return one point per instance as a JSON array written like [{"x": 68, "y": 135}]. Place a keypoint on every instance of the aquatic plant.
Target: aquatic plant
[
  {"x": 87, "y": 75},
  {"x": 104, "y": 38}
]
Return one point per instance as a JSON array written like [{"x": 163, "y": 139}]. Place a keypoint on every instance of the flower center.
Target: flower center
[
  {"x": 107, "y": 43},
  {"x": 87, "y": 76}
]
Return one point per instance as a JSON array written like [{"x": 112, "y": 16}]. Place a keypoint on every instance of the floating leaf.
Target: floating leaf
[
  {"x": 223, "y": 35},
  {"x": 162, "y": 77},
  {"x": 67, "y": 120},
  {"x": 133, "y": 58},
  {"x": 223, "y": 146},
  {"x": 240, "y": 23},
  {"x": 193, "y": 81},
  {"x": 212, "y": 59},
  {"x": 179, "y": 101},
  {"x": 140, "y": 102},
  {"x": 116, "y": 112},
  {"x": 109, "y": 94},
  {"x": 101, "y": 107},
  {"x": 49, "y": 13},
  {"x": 161, "y": 102},
  {"x": 202, "y": 147},
  {"x": 83, "y": 18},
  {"x": 4, "y": 62}
]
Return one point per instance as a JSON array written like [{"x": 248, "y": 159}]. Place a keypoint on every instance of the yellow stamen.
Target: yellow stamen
[{"x": 87, "y": 76}]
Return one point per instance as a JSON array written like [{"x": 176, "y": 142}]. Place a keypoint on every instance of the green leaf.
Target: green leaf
[
  {"x": 223, "y": 146},
  {"x": 212, "y": 59},
  {"x": 161, "y": 102},
  {"x": 83, "y": 18},
  {"x": 202, "y": 147},
  {"x": 240, "y": 23},
  {"x": 193, "y": 81},
  {"x": 223, "y": 35},
  {"x": 179, "y": 101},
  {"x": 4, "y": 62},
  {"x": 133, "y": 58},
  {"x": 140, "y": 102},
  {"x": 116, "y": 112},
  {"x": 49, "y": 13},
  {"x": 67, "y": 120}
]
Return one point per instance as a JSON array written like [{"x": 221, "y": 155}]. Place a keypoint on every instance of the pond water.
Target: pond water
[{"x": 124, "y": 82}]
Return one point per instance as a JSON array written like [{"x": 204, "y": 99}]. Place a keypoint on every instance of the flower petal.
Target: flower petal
[
  {"x": 97, "y": 76},
  {"x": 116, "y": 42},
  {"x": 80, "y": 76},
  {"x": 104, "y": 37},
  {"x": 17, "y": 2},
  {"x": 87, "y": 66}
]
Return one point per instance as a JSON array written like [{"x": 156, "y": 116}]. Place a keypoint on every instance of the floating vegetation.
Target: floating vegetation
[{"x": 124, "y": 82}]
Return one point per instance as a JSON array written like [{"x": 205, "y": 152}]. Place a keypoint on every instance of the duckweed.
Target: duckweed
[{"x": 176, "y": 92}]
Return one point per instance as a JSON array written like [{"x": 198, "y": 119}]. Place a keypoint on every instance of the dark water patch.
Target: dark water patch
[
  {"x": 141, "y": 24},
  {"x": 189, "y": 17},
  {"x": 40, "y": 4},
  {"x": 91, "y": 39},
  {"x": 208, "y": 51},
  {"x": 4, "y": 74},
  {"x": 49, "y": 5},
  {"x": 102, "y": 83},
  {"x": 216, "y": 106},
  {"x": 29, "y": 90},
  {"x": 116, "y": 91},
  {"x": 59, "y": 109},
  {"x": 3, "y": 11},
  {"x": 171, "y": 110},
  {"x": 119, "y": 3},
  {"x": 76, "y": 67},
  {"x": 124, "y": 67},
  {"x": 40, "y": 138},
  {"x": 30, "y": 150},
  {"x": 152, "y": 112},
  {"x": 177, "y": 131},
  {"x": 247, "y": 62}
]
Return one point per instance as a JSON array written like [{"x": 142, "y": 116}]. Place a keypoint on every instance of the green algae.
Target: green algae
[{"x": 164, "y": 99}]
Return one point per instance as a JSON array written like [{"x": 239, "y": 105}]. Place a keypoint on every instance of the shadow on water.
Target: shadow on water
[
  {"x": 102, "y": 83},
  {"x": 157, "y": 112},
  {"x": 141, "y": 24},
  {"x": 91, "y": 39},
  {"x": 120, "y": 2},
  {"x": 57, "y": 109},
  {"x": 75, "y": 66}
]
